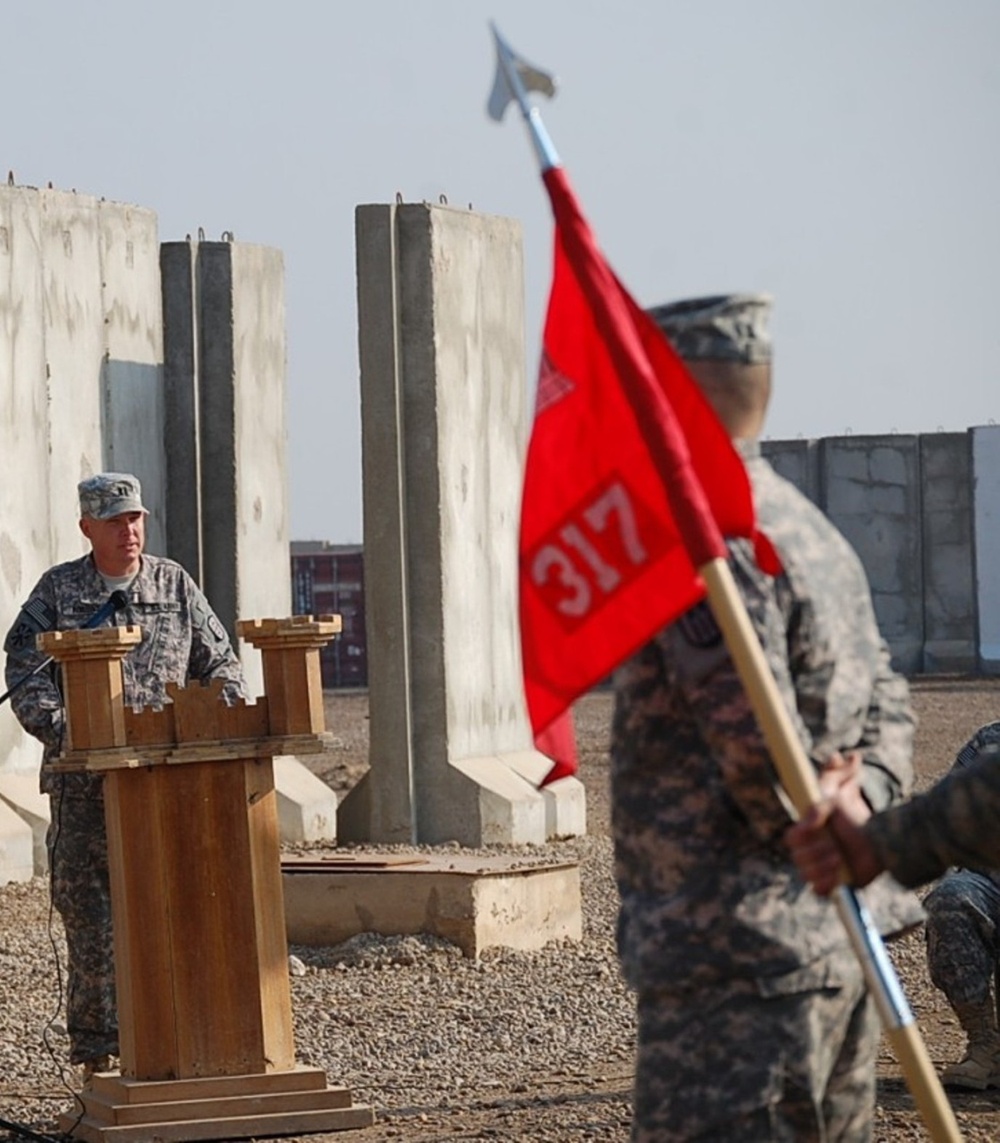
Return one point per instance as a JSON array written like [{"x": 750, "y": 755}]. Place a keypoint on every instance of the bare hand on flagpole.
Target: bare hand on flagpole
[{"x": 829, "y": 835}]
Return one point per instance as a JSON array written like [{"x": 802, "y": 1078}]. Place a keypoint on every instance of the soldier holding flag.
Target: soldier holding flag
[{"x": 754, "y": 1021}]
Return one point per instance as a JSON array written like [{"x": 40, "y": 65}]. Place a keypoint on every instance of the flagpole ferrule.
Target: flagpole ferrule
[{"x": 548, "y": 157}]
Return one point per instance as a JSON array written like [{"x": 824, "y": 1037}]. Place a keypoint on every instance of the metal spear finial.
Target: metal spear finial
[{"x": 515, "y": 77}]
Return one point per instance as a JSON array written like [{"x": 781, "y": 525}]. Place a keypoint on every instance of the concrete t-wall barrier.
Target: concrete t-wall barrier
[
  {"x": 906, "y": 503},
  {"x": 181, "y": 372},
  {"x": 224, "y": 343},
  {"x": 949, "y": 598},
  {"x": 132, "y": 410},
  {"x": 797, "y": 461},
  {"x": 80, "y": 353},
  {"x": 444, "y": 426},
  {"x": 986, "y": 525},
  {"x": 872, "y": 492}
]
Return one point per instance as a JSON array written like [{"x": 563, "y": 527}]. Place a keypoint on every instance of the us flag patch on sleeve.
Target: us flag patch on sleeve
[
  {"x": 36, "y": 616},
  {"x": 699, "y": 628}
]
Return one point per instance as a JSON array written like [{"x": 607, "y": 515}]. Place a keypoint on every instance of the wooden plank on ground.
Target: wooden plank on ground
[{"x": 122, "y": 1089}]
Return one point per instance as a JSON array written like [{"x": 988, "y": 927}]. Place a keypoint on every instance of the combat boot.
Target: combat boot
[
  {"x": 97, "y": 1064},
  {"x": 979, "y": 1068}
]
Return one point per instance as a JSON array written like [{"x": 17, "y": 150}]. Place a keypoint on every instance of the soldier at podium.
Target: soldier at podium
[{"x": 182, "y": 640}]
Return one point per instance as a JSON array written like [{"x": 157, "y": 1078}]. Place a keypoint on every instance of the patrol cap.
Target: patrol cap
[
  {"x": 110, "y": 494},
  {"x": 728, "y": 327}
]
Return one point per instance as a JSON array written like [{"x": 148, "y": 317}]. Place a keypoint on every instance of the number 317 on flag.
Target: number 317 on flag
[{"x": 605, "y": 542}]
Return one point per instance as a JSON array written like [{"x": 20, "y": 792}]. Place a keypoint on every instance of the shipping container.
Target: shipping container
[{"x": 329, "y": 579}]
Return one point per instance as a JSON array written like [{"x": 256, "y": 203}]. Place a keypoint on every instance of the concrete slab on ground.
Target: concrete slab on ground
[
  {"x": 16, "y": 856},
  {"x": 475, "y": 902},
  {"x": 21, "y": 793}
]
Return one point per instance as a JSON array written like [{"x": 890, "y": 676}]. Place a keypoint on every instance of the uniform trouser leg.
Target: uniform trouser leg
[
  {"x": 963, "y": 931},
  {"x": 733, "y": 1066},
  {"x": 78, "y": 861}
]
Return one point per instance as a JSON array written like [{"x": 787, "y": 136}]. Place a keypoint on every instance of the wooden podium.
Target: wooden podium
[{"x": 201, "y": 956}]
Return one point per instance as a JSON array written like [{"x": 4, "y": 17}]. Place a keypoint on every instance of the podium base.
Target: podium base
[{"x": 295, "y": 1102}]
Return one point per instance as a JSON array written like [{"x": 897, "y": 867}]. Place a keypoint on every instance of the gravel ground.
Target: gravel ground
[{"x": 521, "y": 1046}]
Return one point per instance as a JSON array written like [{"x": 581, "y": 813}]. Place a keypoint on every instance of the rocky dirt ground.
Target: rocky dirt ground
[{"x": 519, "y": 1046}]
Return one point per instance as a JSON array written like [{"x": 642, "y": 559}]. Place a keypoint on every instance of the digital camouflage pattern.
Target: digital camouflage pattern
[
  {"x": 81, "y": 893},
  {"x": 963, "y": 924},
  {"x": 953, "y": 823},
  {"x": 712, "y": 907},
  {"x": 182, "y": 640},
  {"x": 110, "y": 494},
  {"x": 812, "y": 1077},
  {"x": 725, "y": 327}
]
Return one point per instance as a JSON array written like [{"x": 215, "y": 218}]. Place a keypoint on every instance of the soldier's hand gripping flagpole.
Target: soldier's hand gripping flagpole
[{"x": 702, "y": 538}]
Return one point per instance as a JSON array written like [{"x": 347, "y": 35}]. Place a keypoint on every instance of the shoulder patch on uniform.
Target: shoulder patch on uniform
[
  {"x": 35, "y": 617},
  {"x": 204, "y": 619},
  {"x": 698, "y": 627}
]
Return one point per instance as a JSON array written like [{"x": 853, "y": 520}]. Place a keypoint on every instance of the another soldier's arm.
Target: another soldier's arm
[
  {"x": 954, "y": 823},
  {"x": 37, "y": 703}
]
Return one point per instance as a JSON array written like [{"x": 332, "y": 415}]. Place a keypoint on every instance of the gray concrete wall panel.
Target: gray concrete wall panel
[
  {"x": 383, "y": 806},
  {"x": 481, "y": 430},
  {"x": 70, "y": 238},
  {"x": 949, "y": 577},
  {"x": 79, "y": 378},
  {"x": 798, "y": 462},
  {"x": 181, "y": 406},
  {"x": 24, "y": 431},
  {"x": 240, "y": 314},
  {"x": 217, "y": 426},
  {"x": 872, "y": 494},
  {"x": 133, "y": 435},
  {"x": 132, "y": 378},
  {"x": 420, "y": 275},
  {"x": 986, "y": 522},
  {"x": 259, "y": 360}
]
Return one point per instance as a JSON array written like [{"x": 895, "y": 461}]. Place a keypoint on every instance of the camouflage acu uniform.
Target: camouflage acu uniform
[
  {"x": 754, "y": 1023},
  {"x": 953, "y": 823},
  {"x": 182, "y": 640}
]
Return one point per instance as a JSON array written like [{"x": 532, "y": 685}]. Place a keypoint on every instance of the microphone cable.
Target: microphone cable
[
  {"x": 24, "y": 1132},
  {"x": 21, "y": 1129},
  {"x": 117, "y": 601}
]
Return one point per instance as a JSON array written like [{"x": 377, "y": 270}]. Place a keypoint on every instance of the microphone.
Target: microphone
[{"x": 116, "y": 601}]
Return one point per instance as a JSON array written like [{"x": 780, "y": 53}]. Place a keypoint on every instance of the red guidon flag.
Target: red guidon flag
[{"x": 607, "y": 557}]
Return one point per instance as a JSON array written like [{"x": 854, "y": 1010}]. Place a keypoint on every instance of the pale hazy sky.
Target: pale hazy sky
[{"x": 842, "y": 154}]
